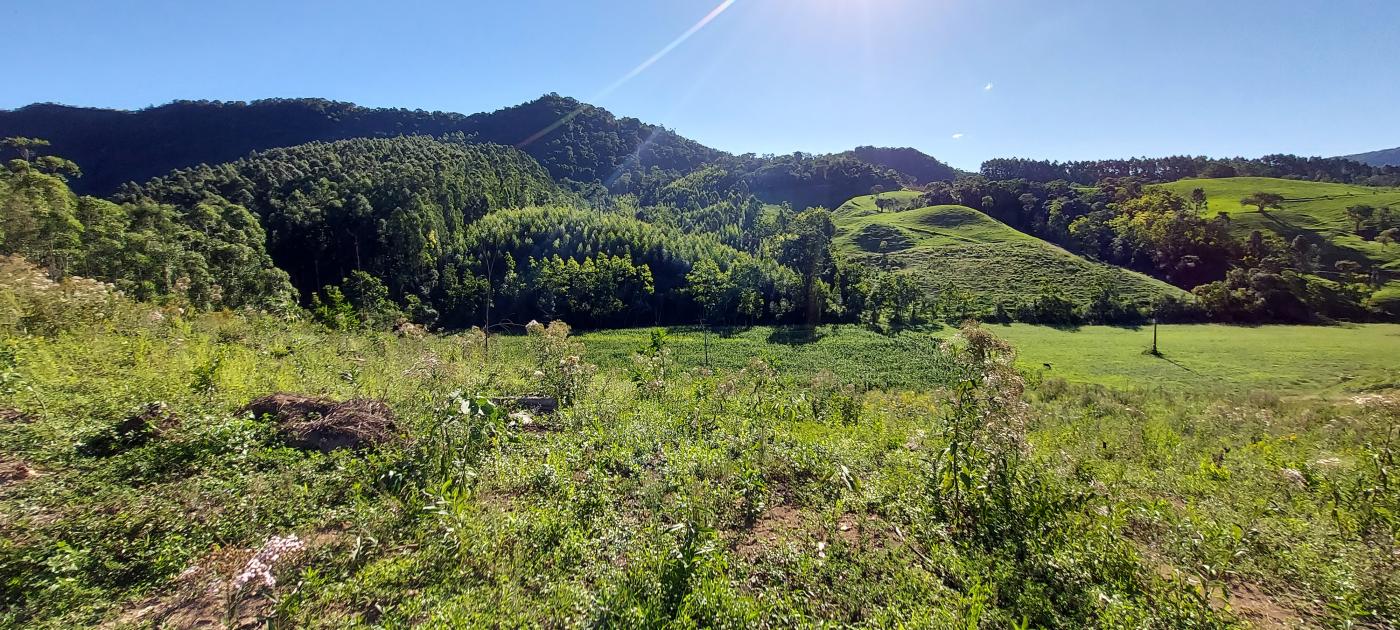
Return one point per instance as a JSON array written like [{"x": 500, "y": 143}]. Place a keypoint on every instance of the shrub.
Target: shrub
[
  {"x": 559, "y": 364},
  {"x": 33, "y": 303}
]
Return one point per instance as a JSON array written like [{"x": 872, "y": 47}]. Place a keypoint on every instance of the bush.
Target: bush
[
  {"x": 33, "y": 303},
  {"x": 559, "y": 364}
]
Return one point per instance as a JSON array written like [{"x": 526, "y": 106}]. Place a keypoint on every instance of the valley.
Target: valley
[{"x": 336, "y": 366}]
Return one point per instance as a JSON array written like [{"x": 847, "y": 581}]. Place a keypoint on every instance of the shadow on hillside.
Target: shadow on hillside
[
  {"x": 795, "y": 335},
  {"x": 727, "y": 332}
]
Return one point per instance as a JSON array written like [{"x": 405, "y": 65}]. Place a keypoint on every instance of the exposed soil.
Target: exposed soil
[
  {"x": 1263, "y": 610},
  {"x": 14, "y": 416},
  {"x": 15, "y": 471},
  {"x": 776, "y": 524}
]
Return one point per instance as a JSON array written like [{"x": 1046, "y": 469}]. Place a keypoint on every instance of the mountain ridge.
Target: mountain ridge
[
  {"x": 1381, "y": 157},
  {"x": 578, "y": 143}
]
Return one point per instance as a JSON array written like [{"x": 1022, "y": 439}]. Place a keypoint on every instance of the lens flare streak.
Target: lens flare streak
[{"x": 642, "y": 67}]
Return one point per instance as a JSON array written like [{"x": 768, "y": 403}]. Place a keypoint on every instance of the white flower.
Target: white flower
[{"x": 262, "y": 564}]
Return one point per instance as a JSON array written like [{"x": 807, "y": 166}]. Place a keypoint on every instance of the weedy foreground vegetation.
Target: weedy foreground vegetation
[{"x": 137, "y": 490}]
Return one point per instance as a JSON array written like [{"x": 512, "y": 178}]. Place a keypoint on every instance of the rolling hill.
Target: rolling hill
[
  {"x": 1316, "y": 210},
  {"x": 955, "y": 245},
  {"x": 579, "y": 144},
  {"x": 572, "y": 140},
  {"x": 863, "y": 206},
  {"x": 915, "y": 165},
  {"x": 1384, "y": 157}
]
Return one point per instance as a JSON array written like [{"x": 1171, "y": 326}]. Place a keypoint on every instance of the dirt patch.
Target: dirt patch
[
  {"x": 1264, "y": 610},
  {"x": 776, "y": 524},
  {"x": 526, "y": 422},
  {"x": 849, "y": 527},
  {"x": 783, "y": 524},
  {"x": 15, "y": 471},
  {"x": 1250, "y": 602},
  {"x": 325, "y": 425}
]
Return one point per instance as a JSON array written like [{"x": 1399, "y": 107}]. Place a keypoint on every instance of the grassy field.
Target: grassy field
[
  {"x": 135, "y": 491},
  {"x": 1312, "y": 208},
  {"x": 755, "y": 497},
  {"x": 1298, "y": 360},
  {"x": 1286, "y": 359},
  {"x": 963, "y": 248},
  {"x": 861, "y": 206}
]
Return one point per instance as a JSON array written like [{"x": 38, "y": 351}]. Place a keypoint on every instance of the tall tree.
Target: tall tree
[
  {"x": 711, "y": 288},
  {"x": 807, "y": 248},
  {"x": 1198, "y": 200}
]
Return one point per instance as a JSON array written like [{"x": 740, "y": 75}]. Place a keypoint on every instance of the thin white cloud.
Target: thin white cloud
[
  {"x": 988, "y": 87},
  {"x": 958, "y": 136}
]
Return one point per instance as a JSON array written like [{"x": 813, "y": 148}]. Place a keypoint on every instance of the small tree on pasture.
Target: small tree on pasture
[
  {"x": 1264, "y": 201},
  {"x": 1360, "y": 214}
]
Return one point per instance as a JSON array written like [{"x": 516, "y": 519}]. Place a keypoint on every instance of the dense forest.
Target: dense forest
[
  {"x": 918, "y": 167},
  {"x": 558, "y": 209}
]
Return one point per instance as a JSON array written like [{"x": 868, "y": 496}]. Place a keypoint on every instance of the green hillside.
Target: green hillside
[
  {"x": 861, "y": 206},
  {"x": 964, "y": 248},
  {"x": 1311, "y": 208}
]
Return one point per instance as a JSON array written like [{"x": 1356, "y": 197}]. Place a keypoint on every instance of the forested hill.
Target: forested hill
[
  {"x": 917, "y": 166},
  {"x": 397, "y": 208},
  {"x": 574, "y": 141}
]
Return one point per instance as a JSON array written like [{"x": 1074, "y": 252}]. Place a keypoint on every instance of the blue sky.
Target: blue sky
[{"x": 963, "y": 80}]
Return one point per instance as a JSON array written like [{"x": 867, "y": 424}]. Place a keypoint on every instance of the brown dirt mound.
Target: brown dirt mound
[
  {"x": 775, "y": 525},
  {"x": 325, "y": 425},
  {"x": 1264, "y": 609}
]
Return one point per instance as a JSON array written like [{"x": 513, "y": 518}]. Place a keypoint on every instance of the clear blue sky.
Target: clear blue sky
[{"x": 1062, "y": 79}]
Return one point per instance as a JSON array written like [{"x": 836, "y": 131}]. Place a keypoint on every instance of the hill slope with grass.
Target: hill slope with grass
[
  {"x": 870, "y": 204},
  {"x": 942, "y": 246},
  {"x": 1315, "y": 210}
]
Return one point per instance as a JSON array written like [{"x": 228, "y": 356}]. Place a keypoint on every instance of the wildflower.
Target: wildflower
[{"x": 264, "y": 562}]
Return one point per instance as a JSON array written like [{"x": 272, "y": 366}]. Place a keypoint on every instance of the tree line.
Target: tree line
[{"x": 1176, "y": 168}]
